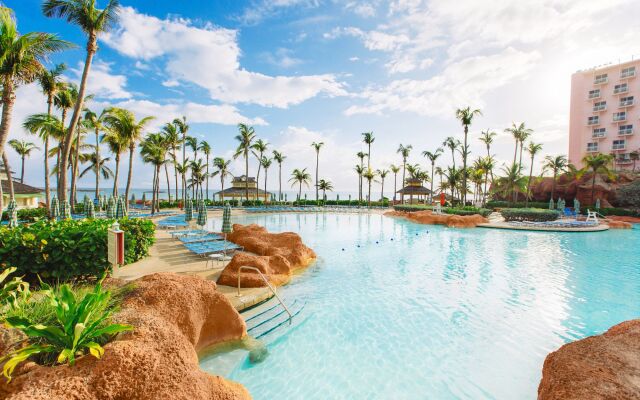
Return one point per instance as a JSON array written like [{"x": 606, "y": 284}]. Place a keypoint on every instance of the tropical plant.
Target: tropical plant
[
  {"x": 368, "y": 139},
  {"x": 404, "y": 153},
  {"x": 265, "y": 162},
  {"x": 557, "y": 165},
  {"x": 596, "y": 164},
  {"x": 96, "y": 122},
  {"x": 153, "y": 150},
  {"x": 300, "y": 176},
  {"x": 172, "y": 137},
  {"x": 279, "y": 158},
  {"x": 487, "y": 138},
  {"x": 24, "y": 149},
  {"x": 325, "y": 186},
  {"x": 452, "y": 144},
  {"x": 360, "y": 171},
  {"x": 246, "y": 136},
  {"x": 533, "y": 149},
  {"x": 117, "y": 146},
  {"x": 258, "y": 149},
  {"x": 432, "y": 158},
  {"x": 634, "y": 156},
  {"x": 81, "y": 324},
  {"x": 383, "y": 174},
  {"x": 205, "y": 148},
  {"x": 182, "y": 128},
  {"x": 11, "y": 291},
  {"x": 529, "y": 214},
  {"x": 98, "y": 166},
  {"x": 317, "y": 146},
  {"x": 511, "y": 183},
  {"x": 369, "y": 175},
  {"x": 465, "y": 115},
  {"x": 361, "y": 155},
  {"x": 222, "y": 167},
  {"x": 394, "y": 170},
  {"x": 520, "y": 134}
]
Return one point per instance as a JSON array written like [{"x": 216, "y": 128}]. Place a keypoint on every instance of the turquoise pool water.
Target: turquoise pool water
[{"x": 437, "y": 313}]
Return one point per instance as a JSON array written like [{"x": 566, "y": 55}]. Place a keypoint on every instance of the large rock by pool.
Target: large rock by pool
[
  {"x": 606, "y": 366},
  {"x": 276, "y": 255},
  {"x": 449, "y": 220},
  {"x": 174, "y": 317}
]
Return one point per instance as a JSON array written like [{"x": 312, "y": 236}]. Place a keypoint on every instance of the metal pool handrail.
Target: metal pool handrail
[{"x": 273, "y": 290}]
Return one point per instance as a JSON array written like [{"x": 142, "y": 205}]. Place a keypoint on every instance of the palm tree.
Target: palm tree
[
  {"x": 206, "y": 149},
  {"x": 117, "y": 145},
  {"x": 557, "y": 164},
  {"x": 246, "y": 136},
  {"x": 172, "y": 137},
  {"x": 182, "y": 127},
  {"x": 279, "y": 158},
  {"x": 453, "y": 144},
  {"x": 123, "y": 124},
  {"x": 360, "y": 171},
  {"x": 533, "y": 149},
  {"x": 368, "y": 138},
  {"x": 21, "y": 58},
  {"x": 440, "y": 173},
  {"x": 63, "y": 101},
  {"x": 596, "y": 164},
  {"x": 361, "y": 155},
  {"x": 383, "y": 174},
  {"x": 317, "y": 146},
  {"x": 325, "y": 185},
  {"x": 182, "y": 169},
  {"x": 258, "y": 150},
  {"x": 465, "y": 115},
  {"x": 520, "y": 134},
  {"x": 222, "y": 166},
  {"x": 45, "y": 126},
  {"x": 635, "y": 156},
  {"x": 395, "y": 169},
  {"x": 404, "y": 152},
  {"x": 369, "y": 175},
  {"x": 197, "y": 178},
  {"x": 96, "y": 122},
  {"x": 432, "y": 158},
  {"x": 486, "y": 164},
  {"x": 98, "y": 166},
  {"x": 487, "y": 138},
  {"x": 24, "y": 149},
  {"x": 192, "y": 142},
  {"x": 300, "y": 176},
  {"x": 50, "y": 81},
  {"x": 92, "y": 22},
  {"x": 153, "y": 150},
  {"x": 266, "y": 163},
  {"x": 512, "y": 182}
]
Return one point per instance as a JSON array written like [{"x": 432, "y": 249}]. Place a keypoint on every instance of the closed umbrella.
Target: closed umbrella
[
  {"x": 202, "y": 214},
  {"x": 552, "y": 205},
  {"x": 576, "y": 206},
  {"x": 12, "y": 211},
  {"x": 188, "y": 210},
  {"x": 133, "y": 199},
  {"x": 111, "y": 208},
  {"x": 119, "y": 209},
  {"x": 226, "y": 225},
  {"x": 598, "y": 204},
  {"x": 54, "y": 210},
  {"x": 88, "y": 210},
  {"x": 144, "y": 199},
  {"x": 65, "y": 210},
  {"x": 125, "y": 210}
]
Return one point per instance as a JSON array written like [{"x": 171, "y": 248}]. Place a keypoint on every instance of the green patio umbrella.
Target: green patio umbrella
[
  {"x": 133, "y": 199},
  {"x": 65, "y": 210},
  {"x": 202, "y": 214},
  {"x": 226, "y": 226},
  {"x": 188, "y": 210},
  {"x": 552, "y": 205},
  {"x": 12, "y": 211},
  {"x": 88, "y": 210},
  {"x": 111, "y": 208},
  {"x": 576, "y": 206},
  {"x": 120, "y": 209},
  {"x": 144, "y": 199},
  {"x": 598, "y": 203},
  {"x": 54, "y": 209}
]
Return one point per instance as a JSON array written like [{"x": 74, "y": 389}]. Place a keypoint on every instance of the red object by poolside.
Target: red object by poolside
[{"x": 442, "y": 200}]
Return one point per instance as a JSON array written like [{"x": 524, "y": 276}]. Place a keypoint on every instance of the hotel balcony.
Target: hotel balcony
[{"x": 624, "y": 161}]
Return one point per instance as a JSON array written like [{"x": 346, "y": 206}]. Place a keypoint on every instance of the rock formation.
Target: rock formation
[
  {"x": 276, "y": 255},
  {"x": 174, "y": 317},
  {"x": 606, "y": 366},
  {"x": 449, "y": 220},
  {"x": 617, "y": 224}
]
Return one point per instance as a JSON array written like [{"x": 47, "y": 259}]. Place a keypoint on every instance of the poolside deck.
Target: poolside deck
[{"x": 506, "y": 225}]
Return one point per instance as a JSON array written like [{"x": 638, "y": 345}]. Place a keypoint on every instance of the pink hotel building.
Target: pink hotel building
[{"x": 604, "y": 116}]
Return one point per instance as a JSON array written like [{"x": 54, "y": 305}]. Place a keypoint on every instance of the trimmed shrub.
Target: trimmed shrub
[
  {"x": 28, "y": 214},
  {"x": 467, "y": 210},
  {"x": 529, "y": 214},
  {"x": 506, "y": 204},
  {"x": 622, "y": 212},
  {"x": 70, "y": 249}
]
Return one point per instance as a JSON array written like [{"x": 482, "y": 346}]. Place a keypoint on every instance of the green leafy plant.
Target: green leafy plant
[
  {"x": 529, "y": 214},
  {"x": 28, "y": 214},
  {"x": 81, "y": 325},
  {"x": 12, "y": 290}
]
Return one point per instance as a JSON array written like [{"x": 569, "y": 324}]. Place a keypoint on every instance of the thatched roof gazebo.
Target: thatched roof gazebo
[
  {"x": 414, "y": 188},
  {"x": 237, "y": 191}
]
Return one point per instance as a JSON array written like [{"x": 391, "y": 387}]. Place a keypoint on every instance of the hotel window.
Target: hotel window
[
  {"x": 625, "y": 129},
  {"x": 621, "y": 88},
  {"x": 626, "y": 101},
  {"x": 618, "y": 144},
  {"x": 594, "y": 94},
  {"x": 624, "y": 157},
  {"x": 599, "y": 132},
  {"x": 628, "y": 72},
  {"x": 602, "y": 78},
  {"x": 599, "y": 106},
  {"x": 595, "y": 120},
  {"x": 620, "y": 116},
  {"x": 592, "y": 147}
]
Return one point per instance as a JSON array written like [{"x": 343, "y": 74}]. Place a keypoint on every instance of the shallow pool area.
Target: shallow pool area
[{"x": 397, "y": 310}]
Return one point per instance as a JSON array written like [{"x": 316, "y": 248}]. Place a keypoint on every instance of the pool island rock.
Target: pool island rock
[
  {"x": 174, "y": 317},
  {"x": 449, "y": 220},
  {"x": 277, "y": 255},
  {"x": 605, "y": 366}
]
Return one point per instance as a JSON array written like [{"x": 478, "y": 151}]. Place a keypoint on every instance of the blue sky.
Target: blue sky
[{"x": 326, "y": 70}]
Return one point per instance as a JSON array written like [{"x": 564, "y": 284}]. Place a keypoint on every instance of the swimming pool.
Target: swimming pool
[{"x": 437, "y": 313}]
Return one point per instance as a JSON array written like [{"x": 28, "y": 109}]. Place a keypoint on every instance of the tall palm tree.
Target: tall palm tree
[
  {"x": 246, "y": 136},
  {"x": 222, "y": 167},
  {"x": 93, "y": 22},
  {"x": 533, "y": 149},
  {"x": 317, "y": 146},
  {"x": 81, "y": 131},
  {"x": 557, "y": 164},
  {"x": 258, "y": 150},
  {"x": 368, "y": 139},
  {"x": 197, "y": 178},
  {"x": 182, "y": 169},
  {"x": 394, "y": 170},
  {"x": 487, "y": 137},
  {"x": 279, "y": 158},
  {"x": 50, "y": 81},
  {"x": 432, "y": 158},
  {"x": 520, "y": 134},
  {"x": 361, "y": 155},
  {"x": 172, "y": 137},
  {"x": 192, "y": 142},
  {"x": 182, "y": 127},
  {"x": 404, "y": 152},
  {"x": 512, "y": 182},
  {"x": 96, "y": 122},
  {"x": 300, "y": 176},
  {"x": 117, "y": 145},
  {"x": 486, "y": 164},
  {"x": 266, "y": 163},
  {"x": 369, "y": 175},
  {"x": 440, "y": 173},
  {"x": 153, "y": 150},
  {"x": 46, "y": 127},
  {"x": 634, "y": 156},
  {"x": 465, "y": 115},
  {"x": 596, "y": 164},
  {"x": 325, "y": 186},
  {"x": 24, "y": 149},
  {"x": 98, "y": 166},
  {"x": 360, "y": 171},
  {"x": 452, "y": 144},
  {"x": 383, "y": 174},
  {"x": 206, "y": 150}
]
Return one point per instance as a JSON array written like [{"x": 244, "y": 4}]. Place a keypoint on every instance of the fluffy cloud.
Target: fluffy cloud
[
  {"x": 102, "y": 83},
  {"x": 208, "y": 56}
]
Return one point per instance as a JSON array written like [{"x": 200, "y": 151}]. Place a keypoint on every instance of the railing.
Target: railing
[{"x": 273, "y": 290}]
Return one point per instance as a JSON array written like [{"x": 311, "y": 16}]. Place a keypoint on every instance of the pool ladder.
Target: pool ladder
[{"x": 271, "y": 288}]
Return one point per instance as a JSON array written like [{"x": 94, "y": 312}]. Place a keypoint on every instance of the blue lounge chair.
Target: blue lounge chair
[
  {"x": 204, "y": 248},
  {"x": 200, "y": 238}
]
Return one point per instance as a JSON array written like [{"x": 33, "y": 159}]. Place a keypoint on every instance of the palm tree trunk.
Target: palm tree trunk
[
  {"x": 382, "y": 191},
  {"x": 175, "y": 171},
  {"x": 395, "y": 185},
  {"x": 153, "y": 191},
  {"x": 22, "y": 169},
  {"x": 207, "y": 177},
  {"x": 92, "y": 46},
  {"x": 258, "y": 177},
  {"x": 74, "y": 173},
  {"x": 132, "y": 149},
  {"x": 265, "y": 185},
  {"x": 184, "y": 160},
  {"x": 8, "y": 99},
  {"x": 369, "y": 195},
  {"x": 7, "y": 168},
  {"x": 166, "y": 172},
  {"x": 246, "y": 174},
  {"x": 97, "y": 163},
  {"x": 526, "y": 200},
  {"x": 464, "y": 167},
  {"x": 115, "y": 177},
  {"x": 47, "y": 187},
  {"x": 404, "y": 166},
  {"x": 222, "y": 188},
  {"x": 317, "y": 165},
  {"x": 300, "y": 192},
  {"x": 433, "y": 165},
  {"x": 520, "y": 160},
  {"x": 593, "y": 186},
  {"x": 553, "y": 184},
  {"x": 515, "y": 153},
  {"x": 279, "y": 181}
]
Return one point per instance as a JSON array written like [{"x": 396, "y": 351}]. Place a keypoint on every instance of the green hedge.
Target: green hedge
[
  {"x": 70, "y": 249},
  {"x": 623, "y": 212},
  {"x": 28, "y": 214},
  {"x": 529, "y": 214},
  {"x": 467, "y": 210},
  {"x": 506, "y": 204}
]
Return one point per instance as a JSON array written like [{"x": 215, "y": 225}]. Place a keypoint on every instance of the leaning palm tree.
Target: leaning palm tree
[
  {"x": 368, "y": 139},
  {"x": 487, "y": 137},
  {"x": 246, "y": 136},
  {"x": 596, "y": 164},
  {"x": 182, "y": 127},
  {"x": 46, "y": 127},
  {"x": 93, "y": 22},
  {"x": 96, "y": 122},
  {"x": 404, "y": 152},
  {"x": 520, "y": 134},
  {"x": 325, "y": 186},
  {"x": 317, "y": 146},
  {"x": 533, "y": 149},
  {"x": 192, "y": 142},
  {"x": 361, "y": 155},
  {"x": 98, "y": 166},
  {"x": 24, "y": 149},
  {"x": 383, "y": 174},
  {"x": 557, "y": 165},
  {"x": 172, "y": 137},
  {"x": 279, "y": 158},
  {"x": 222, "y": 167},
  {"x": 465, "y": 115},
  {"x": 369, "y": 175},
  {"x": 452, "y": 144},
  {"x": 205, "y": 148},
  {"x": 21, "y": 58},
  {"x": 258, "y": 150},
  {"x": 300, "y": 176},
  {"x": 394, "y": 170},
  {"x": 432, "y": 158},
  {"x": 360, "y": 171},
  {"x": 153, "y": 150},
  {"x": 266, "y": 163},
  {"x": 117, "y": 145}
]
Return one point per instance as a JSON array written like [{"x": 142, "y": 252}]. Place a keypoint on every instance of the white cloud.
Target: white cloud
[
  {"x": 102, "y": 83},
  {"x": 282, "y": 58},
  {"x": 362, "y": 8},
  {"x": 208, "y": 56},
  {"x": 260, "y": 10}
]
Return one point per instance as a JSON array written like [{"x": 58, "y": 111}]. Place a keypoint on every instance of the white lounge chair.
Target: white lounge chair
[
  {"x": 592, "y": 216},
  {"x": 437, "y": 209}
]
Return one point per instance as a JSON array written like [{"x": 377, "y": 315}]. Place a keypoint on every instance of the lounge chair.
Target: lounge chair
[
  {"x": 217, "y": 246},
  {"x": 568, "y": 212},
  {"x": 200, "y": 238},
  {"x": 592, "y": 216}
]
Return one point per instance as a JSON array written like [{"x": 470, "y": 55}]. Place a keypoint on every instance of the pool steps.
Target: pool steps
[{"x": 269, "y": 316}]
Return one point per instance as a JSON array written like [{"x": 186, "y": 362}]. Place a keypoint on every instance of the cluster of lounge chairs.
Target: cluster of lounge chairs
[
  {"x": 562, "y": 223},
  {"x": 204, "y": 243},
  {"x": 310, "y": 209}
]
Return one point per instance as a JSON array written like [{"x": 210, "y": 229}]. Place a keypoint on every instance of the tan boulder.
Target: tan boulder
[{"x": 449, "y": 220}]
